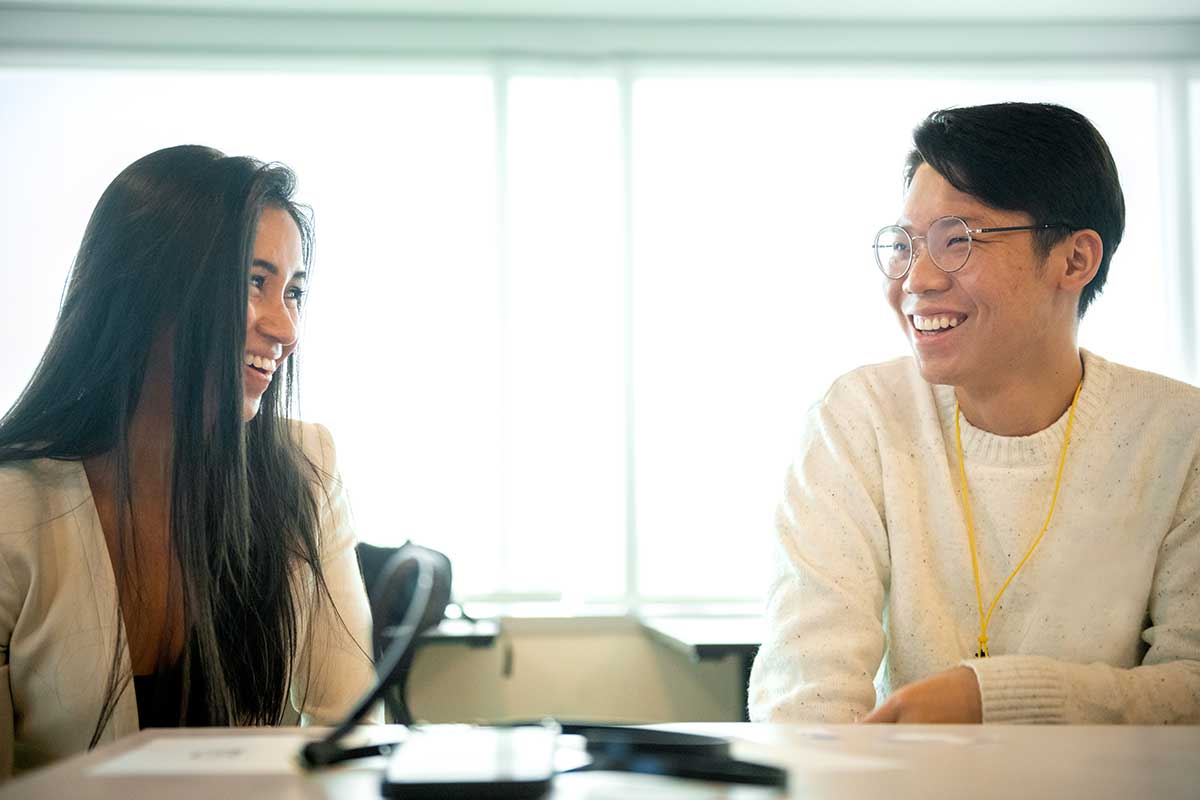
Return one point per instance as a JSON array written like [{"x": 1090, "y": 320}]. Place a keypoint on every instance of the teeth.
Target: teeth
[
  {"x": 935, "y": 323},
  {"x": 267, "y": 364}
]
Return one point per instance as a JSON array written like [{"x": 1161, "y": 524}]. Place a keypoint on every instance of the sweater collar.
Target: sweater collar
[{"x": 1036, "y": 448}]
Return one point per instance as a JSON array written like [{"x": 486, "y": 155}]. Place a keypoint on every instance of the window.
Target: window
[{"x": 565, "y": 321}]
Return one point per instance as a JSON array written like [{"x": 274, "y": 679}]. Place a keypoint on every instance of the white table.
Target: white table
[{"x": 893, "y": 762}]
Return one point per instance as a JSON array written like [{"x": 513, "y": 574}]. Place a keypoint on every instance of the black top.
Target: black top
[{"x": 160, "y": 696}]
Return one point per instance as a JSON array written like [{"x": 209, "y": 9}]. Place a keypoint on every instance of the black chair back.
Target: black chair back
[{"x": 372, "y": 560}]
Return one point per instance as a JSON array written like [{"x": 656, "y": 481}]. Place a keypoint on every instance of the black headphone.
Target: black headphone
[{"x": 614, "y": 748}]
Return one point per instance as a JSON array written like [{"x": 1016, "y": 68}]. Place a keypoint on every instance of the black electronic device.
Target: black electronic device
[
  {"x": 451, "y": 761},
  {"x": 418, "y": 565},
  {"x": 510, "y": 762},
  {"x": 650, "y": 751}
]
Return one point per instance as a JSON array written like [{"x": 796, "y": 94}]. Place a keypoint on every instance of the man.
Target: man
[{"x": 1002, "y": 527}]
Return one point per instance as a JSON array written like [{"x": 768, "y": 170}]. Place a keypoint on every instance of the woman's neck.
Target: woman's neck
[
  {"x": 148, "y": 446},
  {"x": 1028, "y": 401}
]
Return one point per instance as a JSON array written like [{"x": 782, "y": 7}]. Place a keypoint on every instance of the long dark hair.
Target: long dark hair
[{"x": 168, "y": 247}]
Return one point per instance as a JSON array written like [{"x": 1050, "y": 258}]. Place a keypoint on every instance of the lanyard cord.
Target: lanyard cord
[{"x": 962, "y": 471}]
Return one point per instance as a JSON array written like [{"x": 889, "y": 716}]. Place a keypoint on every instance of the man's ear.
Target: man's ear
[{"x": 1083, "y": 251}]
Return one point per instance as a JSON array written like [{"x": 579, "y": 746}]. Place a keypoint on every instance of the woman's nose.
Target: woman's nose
[{"x": 277, "y": 321}]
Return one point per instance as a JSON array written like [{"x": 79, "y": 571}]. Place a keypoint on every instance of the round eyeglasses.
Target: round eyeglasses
[{"x": 948, "y": 242}]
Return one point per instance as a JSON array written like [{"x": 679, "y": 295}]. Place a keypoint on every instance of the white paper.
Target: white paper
[{"x": 251, "y": 754}]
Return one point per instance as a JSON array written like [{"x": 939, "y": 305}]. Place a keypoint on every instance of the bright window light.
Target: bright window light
[
  {"x": 756, "y": 200},
  {"x": 564, "y": 407},
  {"x": 576, "y": 374}
]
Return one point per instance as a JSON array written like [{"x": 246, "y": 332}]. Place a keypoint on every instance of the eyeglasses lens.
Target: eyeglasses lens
[
  {"x": 948, "y": 240},
  {"x": 892, "y": 248},
  {"x": 949, "y": 243}
]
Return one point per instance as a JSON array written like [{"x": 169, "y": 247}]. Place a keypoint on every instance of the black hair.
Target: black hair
[
  {"x": 1042, "y": 159},
  {"x": 168, "y": 247}
]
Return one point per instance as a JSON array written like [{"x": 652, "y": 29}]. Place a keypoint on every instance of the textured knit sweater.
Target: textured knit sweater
[{"x": 873, "y": 586}]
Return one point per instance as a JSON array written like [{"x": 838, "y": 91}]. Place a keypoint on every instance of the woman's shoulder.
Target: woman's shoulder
[
  {"x": 37, "y": 492},
  {"x": 316, "y": 442}
]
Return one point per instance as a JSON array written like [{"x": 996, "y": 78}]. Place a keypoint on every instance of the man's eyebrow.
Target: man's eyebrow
[{"x": 274, "y": 270}]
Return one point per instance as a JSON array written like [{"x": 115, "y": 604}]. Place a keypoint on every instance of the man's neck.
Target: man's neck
[{"x": 1026, "y": 402}]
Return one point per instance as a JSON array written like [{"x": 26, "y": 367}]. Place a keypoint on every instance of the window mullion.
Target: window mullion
[
  {"x": 625, "y": 93},
  {"x": 500, "y": 80},
  {"x": 1175, "y": 139}
]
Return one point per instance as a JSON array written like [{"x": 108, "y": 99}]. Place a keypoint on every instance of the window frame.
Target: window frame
[{"x": 1165, "y": 52}]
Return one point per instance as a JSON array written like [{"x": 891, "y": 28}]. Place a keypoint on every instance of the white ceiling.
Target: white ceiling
[{"x": 945, "y": 10}]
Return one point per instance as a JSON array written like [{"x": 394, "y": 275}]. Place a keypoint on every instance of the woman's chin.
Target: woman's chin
[{"x": 250, "y": 407}]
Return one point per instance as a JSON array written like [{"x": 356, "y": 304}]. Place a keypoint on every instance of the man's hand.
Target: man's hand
[{"x": 951, "y": 696}]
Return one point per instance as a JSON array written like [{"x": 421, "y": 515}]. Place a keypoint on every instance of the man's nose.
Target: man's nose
[{"x": 924, "y": 275}]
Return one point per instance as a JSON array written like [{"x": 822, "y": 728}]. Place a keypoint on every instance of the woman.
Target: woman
[{"x": 174, "y": 549}]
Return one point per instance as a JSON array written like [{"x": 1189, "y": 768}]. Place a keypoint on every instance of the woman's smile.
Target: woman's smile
[{"x": 258, "y": 372}]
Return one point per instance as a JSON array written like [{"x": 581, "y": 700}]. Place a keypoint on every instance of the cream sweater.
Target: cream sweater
[
  {"x": 873, "y": 586},
  {"x": 59, "y": 618}
]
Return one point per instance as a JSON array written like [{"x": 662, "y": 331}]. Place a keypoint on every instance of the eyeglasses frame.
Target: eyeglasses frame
[{"x": 970, "y": 241}]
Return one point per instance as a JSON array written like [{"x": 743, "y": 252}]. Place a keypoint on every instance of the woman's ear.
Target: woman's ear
[{"x": 1083, "y": 251}]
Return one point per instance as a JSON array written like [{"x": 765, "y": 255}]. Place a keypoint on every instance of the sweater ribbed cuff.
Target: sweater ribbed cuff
[{"x": 1020, "y": 689}]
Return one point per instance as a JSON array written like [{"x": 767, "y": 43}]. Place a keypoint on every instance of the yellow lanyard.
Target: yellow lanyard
[{"x": 984, "y": 620}]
